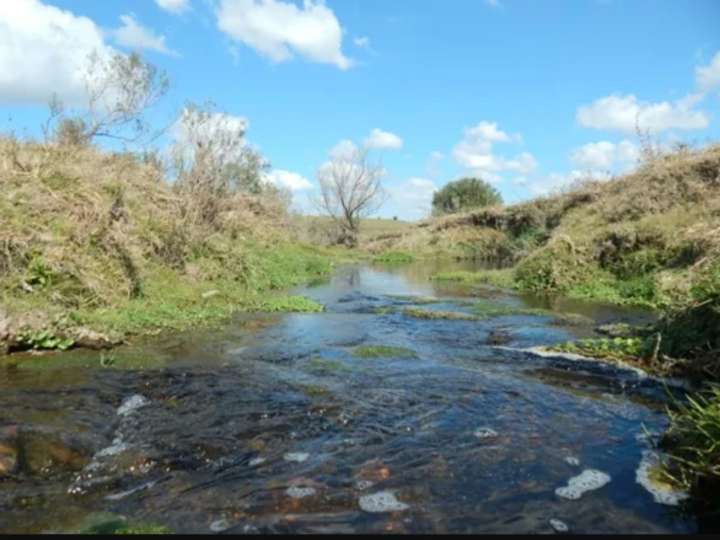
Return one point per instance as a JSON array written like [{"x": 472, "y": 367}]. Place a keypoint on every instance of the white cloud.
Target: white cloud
[
  {"x": 708, "y": 77},
  {"x": 288, "y": 180},
  {"x": 345, "y": 149},
  {"x": 44, "y": 50},
  {"x": 362, "y": 41},
  {"x": 411, "y": 199},
  {"x": 194, "y": 127},
  {"x": 132, "y": 34},
  {"x": 606, "y": 156},
  {"x": 437, "y": 156},
  {"x": 625, "y": 112},
  {"x": 554, "y": 182},
  {"x": 174, "y": 6},
  {"x": 475, "y": 153},
  {"x": 380, "y": 139},
  {"x": 279, "y": 30}
]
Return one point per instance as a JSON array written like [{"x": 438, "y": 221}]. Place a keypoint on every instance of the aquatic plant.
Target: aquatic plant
[
  {"x": 383, "y": 351},
  {"x": 394, "y": 257},
  {"x": 433, "y": 315}
]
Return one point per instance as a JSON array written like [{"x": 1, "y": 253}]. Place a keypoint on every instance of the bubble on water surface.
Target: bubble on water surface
[
  {"x": 662, "y": 492},
  {"x": 588, "y": 480},
  {"x": 297, "y": 457},
  {"x": 297, "y": 492},
  {"x": 132, "y": 404},
  {"x": 485, "y": 433},
  {"x": 559, "y": 526},
  {"x": 383, "y": 501}
]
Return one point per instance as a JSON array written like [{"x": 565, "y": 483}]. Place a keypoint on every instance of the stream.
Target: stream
[{"x": 275, "y": 424}]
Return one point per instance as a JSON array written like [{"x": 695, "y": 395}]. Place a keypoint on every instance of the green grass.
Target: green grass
[
  {"x": 693, "y": 441},
  {"x": 394, "y": 257},
  {"x": 486, "y": 308},
  {"x": 497, "y": 278},
  {"x": 288, "y": 304},
  {"x": 324, "y": 366},
  {"x": 383, "y": 351}
]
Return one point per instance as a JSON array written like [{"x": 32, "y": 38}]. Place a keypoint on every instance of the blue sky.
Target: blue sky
[{"x": 529, "y": 95}]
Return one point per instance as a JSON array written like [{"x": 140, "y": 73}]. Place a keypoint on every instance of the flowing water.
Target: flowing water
[{"x": 275, "y": 424}]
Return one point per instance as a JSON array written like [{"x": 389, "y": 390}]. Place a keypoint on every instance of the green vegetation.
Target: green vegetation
[
  {"x": 324, "y": 366},
  {"x": 430, "y": 315},
  {"x": 97, "y": 242},
  {"x": 693, "y": 440},
  {"x": 383, "y": 351},
  {"x": 497, "y": 278},
  {"x": 394, "y": 257},
  {"x": 624, "y": 349},
  {"x": 485, "y": 308},
  {"x": 463, "y": 195}
]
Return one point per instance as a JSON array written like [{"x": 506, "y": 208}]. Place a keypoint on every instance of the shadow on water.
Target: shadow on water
[{"x": 279, "y": 425}]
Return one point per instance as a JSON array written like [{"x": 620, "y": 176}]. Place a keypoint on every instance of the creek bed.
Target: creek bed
[{"x": 283, "y": 426}]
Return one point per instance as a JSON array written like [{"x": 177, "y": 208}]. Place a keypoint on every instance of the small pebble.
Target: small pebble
[
  {"x": 383, "y": 501},
  {"x": 297, "y": 457},
  {"x": 559, "y": 526}
]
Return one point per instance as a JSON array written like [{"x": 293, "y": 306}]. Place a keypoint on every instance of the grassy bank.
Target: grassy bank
[{"x": 95, "y": 247}]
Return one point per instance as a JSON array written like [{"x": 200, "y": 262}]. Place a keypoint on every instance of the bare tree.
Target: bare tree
[
  {"x": 350, "y": 189},
  {"x": 119, "y": 90}
]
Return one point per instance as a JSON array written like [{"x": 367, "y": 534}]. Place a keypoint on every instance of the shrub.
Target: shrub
[{"x": 464, "y": 194}]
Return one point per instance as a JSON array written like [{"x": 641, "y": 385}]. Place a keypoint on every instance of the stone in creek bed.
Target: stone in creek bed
[
  {"x": 559, "y": 526},
  {"x": 588, "y": 480},
  {"x": 570, "y": 460},
  {"x": 8, "y": 450},
  {"x": 382, "y": 501},
  {"x": 219, "y": 525}
]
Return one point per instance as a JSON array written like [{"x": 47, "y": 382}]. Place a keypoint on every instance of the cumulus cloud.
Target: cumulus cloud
[
  {"x": 289, "y": 180},
  {"x": 412, "y": 199},
  {"x": 383, "y": 140},
  {"x": 625, "y": 112},
  {"x": 132, "y": 34},
  {"x": 279, "y": 30},
  {"x": 708, "y": 77},
  {"x": 174, "y": 6},
  {"x": 475, "y": 152},
  {"x": 606, "y": 156},
  {"x": 45, "y": 50}
]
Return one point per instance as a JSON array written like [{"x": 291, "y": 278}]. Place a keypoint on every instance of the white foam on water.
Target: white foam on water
[
  {"x": 219, "y": 525},
  {"x": 571, "y": 460},
  {"x": 132, "y": 404},
  {"x": 123, "y": 494},
  {"x": 117, "y": 447},
  {"x": 588, "y": 480},
  {"x": 662, "y": 493},
  {"x": 297, "y": 492},
  {"x": 363, "y": 484},
  {"x": 559, "y": 526},
  {"x": 382, "y": 501},
  {"x": 257, "y": 461},
  {"x": 485, "y": 433},
  {"x": 297, "y": 457}
]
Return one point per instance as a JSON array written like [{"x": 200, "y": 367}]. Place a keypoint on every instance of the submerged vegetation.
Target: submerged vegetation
[{"x": 383, "y": 351}]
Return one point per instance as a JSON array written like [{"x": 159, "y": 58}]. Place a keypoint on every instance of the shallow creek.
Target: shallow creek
[{"x": 276, "y": 424}]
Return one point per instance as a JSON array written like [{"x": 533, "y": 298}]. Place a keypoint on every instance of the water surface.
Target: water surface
[{"x": 273, "y": 424}]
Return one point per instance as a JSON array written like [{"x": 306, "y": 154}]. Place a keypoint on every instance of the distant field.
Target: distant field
[{"x": 369, "y": 228}]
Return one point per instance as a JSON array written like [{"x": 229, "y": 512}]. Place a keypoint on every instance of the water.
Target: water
[{"x": 271, "y": 424}]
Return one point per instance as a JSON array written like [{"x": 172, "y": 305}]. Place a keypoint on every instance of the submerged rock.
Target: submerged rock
[
  {"x": 571, "y": 460},
  {"x": 382, "y": 501},
  {"x": 588, "y": 480},
  {"x": 8, "y": 450},
  {"x": 219, "y": 525},
  {"x": 89, "y": 339}
]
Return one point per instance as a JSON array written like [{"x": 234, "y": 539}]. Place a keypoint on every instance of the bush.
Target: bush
[{"x": 464, "y": 194}]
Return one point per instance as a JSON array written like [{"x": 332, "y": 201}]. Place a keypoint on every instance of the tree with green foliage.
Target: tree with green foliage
[{"x": 464, "y": 194}]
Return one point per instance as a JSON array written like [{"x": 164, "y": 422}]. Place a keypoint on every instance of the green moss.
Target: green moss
[
  {"x": 144, "y": 528},
  {"x": 447, "y": 315},
  {"x": 485, "y": 308},
  {"x": 395, "y": 257},
  {"x": 323, "y": 366},
  {"x": 383, "y": 351},
  {"x": 298, "y": 304},
  {"x": 626, "y": 349}
]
